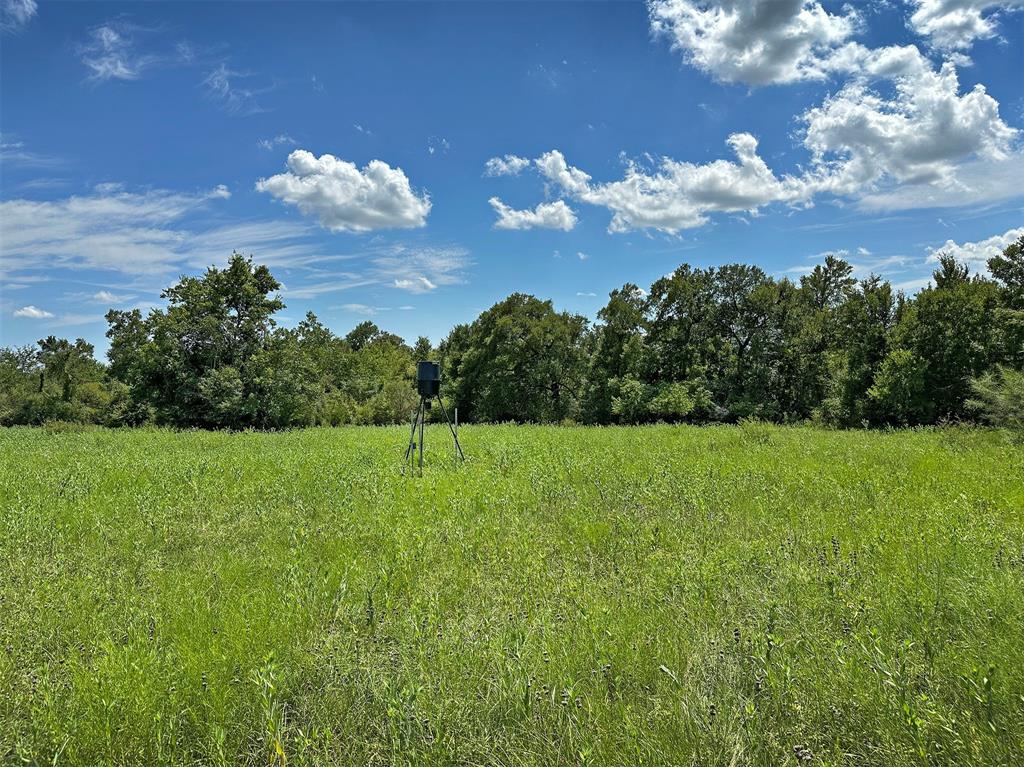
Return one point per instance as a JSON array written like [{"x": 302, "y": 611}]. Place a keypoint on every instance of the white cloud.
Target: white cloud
[
  {"x": 977, "y": 182},
  {"x": 679, "y": 195},
  {"x": 416, "y": 284},
  {"x": 978, "y": 253},
  {"x": 106, "y": 297},
  {"x": 13, "y": 151},
  {"x": 899, "y": 134},
  {"x": 581, "y": 294},
  {"x": 509, "y": 165},
  {"x": 134, "y": 233},
  {"x": 363, "y": 309},
  {"x": 222, "y": 86},
  {"x": 270, "y": 143},
  {"x": 435, "y": 144},
  {"x": 547, "y": 215},
  {"x": 15, "y": 14},
  {"x": 420, "y": 269},
  {"x": 918, "y": 136},
  {"x": 343, "y": 198},
  {"x": 956, "y": 24},
  {"x": 110, "y": 53},
  {"x": 754, "y": 41},
  {"x": 581, "y": 255},
  {"x": 32, "y": 312}
]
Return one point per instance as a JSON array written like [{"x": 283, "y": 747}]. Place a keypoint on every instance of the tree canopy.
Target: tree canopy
[{"x": 703, "y": 344}]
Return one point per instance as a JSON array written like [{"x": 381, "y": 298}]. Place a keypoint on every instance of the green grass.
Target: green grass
[{"x": 617, "y": 596}]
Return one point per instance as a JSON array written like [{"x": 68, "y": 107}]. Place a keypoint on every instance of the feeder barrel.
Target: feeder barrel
[{"x": 428, "y": 378}]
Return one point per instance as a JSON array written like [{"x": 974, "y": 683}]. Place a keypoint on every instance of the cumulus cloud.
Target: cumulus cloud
[
  {"x": 106, "y": 297},
  {"x": 756, "y": 42},
  {"x": 898, "y": 134},
  {"x": 919, "y": 135},
  {"x": 547, "y": 215},
  {"x": 956, "y": 24},
  {"x": 15, "y": 14},
  {"x": 344, "y": 198},
  {"x": 678, "y": 195},
  {"x": 982, "y": 181},
  {"x": 32, "y": 312},
  {"x": 509, "y": 165},
  {"x": 978, "y": 253}
]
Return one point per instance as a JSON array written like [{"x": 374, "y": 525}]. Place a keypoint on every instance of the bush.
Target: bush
[{"x": 999, "y": 398}]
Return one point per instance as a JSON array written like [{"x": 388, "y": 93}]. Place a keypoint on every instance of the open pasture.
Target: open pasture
[{"x": 609, "y": 596}]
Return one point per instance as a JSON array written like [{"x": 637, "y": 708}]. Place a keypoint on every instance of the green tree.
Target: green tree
[
  {"x": 863, "y": 324},
  {"x": 212, "y": 358},
  {"x": 618, "y": 351},
  {"x": 948, "y": 332},
  {"x": 521, "y": 361},
  {"x": 1008, "y": 271},
  {"x": 66, "y": 363}
]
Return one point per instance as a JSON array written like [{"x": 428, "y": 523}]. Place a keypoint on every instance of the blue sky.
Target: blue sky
[{"x": 348, "y": 147}]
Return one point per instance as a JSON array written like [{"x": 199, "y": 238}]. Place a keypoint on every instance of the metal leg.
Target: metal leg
[
  {"x": 455, "y": 436},
  {"x": 423, "y": 417},
  {"x": 412, "y": 434}
]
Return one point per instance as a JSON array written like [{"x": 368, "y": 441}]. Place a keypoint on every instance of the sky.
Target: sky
[{"x": 414, "y": 163}]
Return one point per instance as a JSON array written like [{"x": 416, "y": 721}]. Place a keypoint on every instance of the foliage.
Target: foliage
[
  {"x": 999, "y": 398},
  {"x": 710, "y": 344},
  {"x": 520, "y": 360},
  {"x": 652, "y": 595}
]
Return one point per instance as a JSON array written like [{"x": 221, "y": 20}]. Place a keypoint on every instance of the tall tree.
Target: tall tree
[{"x": 522, "y": 361}]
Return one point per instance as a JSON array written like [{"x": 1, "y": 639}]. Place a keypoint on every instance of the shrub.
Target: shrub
[{"x": 999, "y": 398}]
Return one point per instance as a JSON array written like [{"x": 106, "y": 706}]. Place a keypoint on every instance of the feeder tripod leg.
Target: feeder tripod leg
[
  {"x": 423, "y": 417},
  {"x": 452, "y": 428},
  {"x": 412, "y": 434}
]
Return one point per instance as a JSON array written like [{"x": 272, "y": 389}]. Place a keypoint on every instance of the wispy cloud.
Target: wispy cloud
[
  {"x": 127, "y": 232},
  {"x": 222, "y": 85},
  {"x": 13, "y": 151},
  {"x": 15, "y": 14},
  {"x": 421, "y": 269},
  {"x": 438, "y": 145},
  {"x": 111, "y": 53},
  {"x": 278, "y": 140},
  {"x": 364, "y": 309}
]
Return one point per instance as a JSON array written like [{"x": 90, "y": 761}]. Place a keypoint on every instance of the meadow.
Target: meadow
[{"x": 748, "y": 595}]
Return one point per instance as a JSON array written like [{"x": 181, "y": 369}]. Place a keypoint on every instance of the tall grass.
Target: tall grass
[{"x": 615, "y": 596}]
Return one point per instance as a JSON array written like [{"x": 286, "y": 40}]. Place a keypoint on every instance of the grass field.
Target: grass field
[{"x": 634, "y": 596}]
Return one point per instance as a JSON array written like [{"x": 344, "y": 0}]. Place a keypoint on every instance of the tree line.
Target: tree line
[{"x": 716, "y": 344}]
